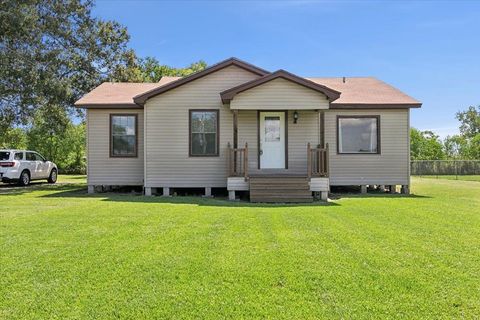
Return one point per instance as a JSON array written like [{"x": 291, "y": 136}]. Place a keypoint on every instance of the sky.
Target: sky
[{"x": 429, "y": 50}]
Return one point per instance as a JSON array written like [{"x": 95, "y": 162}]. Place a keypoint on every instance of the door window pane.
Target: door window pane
[
  {"x": 18, "y": 156},
  {"x": 124, "y": 140},
  {"x": 272, "y": 129},
  {"x": 358, "y": 135},
  {"x": 204, "y": 135}
]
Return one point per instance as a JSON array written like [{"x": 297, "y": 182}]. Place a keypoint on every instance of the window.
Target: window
[
  {"x": 30, "y": 156},
  {"x": 358, "y": 134},
  {"x": 4, "y": 155},
  {"x": 38, "y": 157},
  {"x": 272, "y": 129},
  {"x": 18, "y": 156},
  {"x": 123, "y": 139},
  {"x": 203, "y": 133}
]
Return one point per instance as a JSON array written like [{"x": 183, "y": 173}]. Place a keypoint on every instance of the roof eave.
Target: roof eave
[
  {"x": 108, "y": 106},
  {"x": 375, "y": 105}
]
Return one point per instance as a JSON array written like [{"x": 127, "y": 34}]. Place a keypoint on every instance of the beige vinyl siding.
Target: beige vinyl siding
[
  {"x": 389, "y": 167},
  {"x": 247, "y": 133},
  {"x": 103, "y": 170},
  {"x": 237, "y": 183},
  {"x": 304, "y": 131},
  {"x": 319, "y": 184},
  {"x": 299, "y": 134},
  {"x": 167, "y": 162},
  {"x": 279, "y": 94}
]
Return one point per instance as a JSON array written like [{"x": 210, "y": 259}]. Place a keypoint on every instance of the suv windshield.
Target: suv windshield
[{"x": 4, "y": 155}]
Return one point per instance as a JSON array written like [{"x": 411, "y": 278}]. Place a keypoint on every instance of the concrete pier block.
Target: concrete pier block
[
  {"x": 363, "y": 189},
  {"x": 166, "y": 192}
]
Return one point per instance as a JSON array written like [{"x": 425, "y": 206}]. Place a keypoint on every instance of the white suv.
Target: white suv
[{"x": 23, "y": 166}]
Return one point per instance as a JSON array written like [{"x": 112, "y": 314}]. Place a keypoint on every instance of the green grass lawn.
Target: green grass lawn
[
  {"x": 68, "y": 255},
  {"x": 464, "y": 178}
]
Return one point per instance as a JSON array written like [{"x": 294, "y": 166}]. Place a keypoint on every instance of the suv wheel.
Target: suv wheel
[
  {"x": 24, "y": 178},
  {"x": 53, "y": 176}
]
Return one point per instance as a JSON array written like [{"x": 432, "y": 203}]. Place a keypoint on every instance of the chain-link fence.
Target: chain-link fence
[{"x": 444, "y": 167}]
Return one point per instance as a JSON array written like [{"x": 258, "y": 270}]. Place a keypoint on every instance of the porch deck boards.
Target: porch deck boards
[{"x": 287, "y": 188}]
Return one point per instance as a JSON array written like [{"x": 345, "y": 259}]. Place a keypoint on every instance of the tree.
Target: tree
[
  {"x": 469, "y": 122},
  {"x": 58, "y": 139},
  {"x": 425, "y": 145},
  {"x": 467, "y": 144},
  {"x": 454, "y": 146},
  {"x": 76, "y": 139},
  {"x": 51, "y": 53},
  {"x": 150, "y": 70},
  {"x": 13, "y": 138},
  {"x": 472, "y": 151}
]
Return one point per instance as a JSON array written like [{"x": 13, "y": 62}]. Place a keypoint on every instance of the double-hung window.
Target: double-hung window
[
  {"x": 203, "y": 133},
  {"x": 358, "y": 134},
  {"x": 123, "y": 135}
]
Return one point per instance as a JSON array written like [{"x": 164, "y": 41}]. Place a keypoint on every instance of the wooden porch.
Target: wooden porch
[{"x": 273, "y": 185}]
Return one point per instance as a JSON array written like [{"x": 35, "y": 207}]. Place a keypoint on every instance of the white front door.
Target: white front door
[{"x": 272, "y": 140}]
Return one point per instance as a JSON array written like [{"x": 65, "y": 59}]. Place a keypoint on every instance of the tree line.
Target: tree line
[{"x": 426, "y": 145}]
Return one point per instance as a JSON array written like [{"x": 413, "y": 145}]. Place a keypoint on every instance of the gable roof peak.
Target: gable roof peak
[
  {"x": 143, "y": 97},
  {"x": 331, "y": 94}
]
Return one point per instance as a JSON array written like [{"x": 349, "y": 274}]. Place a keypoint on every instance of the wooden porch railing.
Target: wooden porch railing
[
  {"x": 317, "y": 161},
  {"x": 238, "y": 161}
]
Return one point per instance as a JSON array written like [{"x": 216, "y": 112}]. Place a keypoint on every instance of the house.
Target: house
[{"x": 237, "y": 126}]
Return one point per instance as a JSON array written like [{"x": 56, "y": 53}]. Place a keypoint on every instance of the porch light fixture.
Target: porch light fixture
[{"x": 295, "y": 117}]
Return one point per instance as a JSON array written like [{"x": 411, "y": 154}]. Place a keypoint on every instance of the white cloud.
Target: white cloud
[{"x": 443, "y": 132}]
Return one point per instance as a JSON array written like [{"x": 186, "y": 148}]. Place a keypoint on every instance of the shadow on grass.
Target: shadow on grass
[
  {"x": 70, "y": 190},
  {"x": 190, "y": 200},
  {"x": 74, "y": 177},
  {"x": 14, "y": 189},
  {"x": 338, "y": 196},
  {"x": 219, "y": 202}
]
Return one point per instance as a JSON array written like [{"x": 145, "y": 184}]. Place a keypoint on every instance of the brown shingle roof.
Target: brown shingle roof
[
  {"x": 167, "y": 79},
  {"x": 119, "y": 93},
  {"x": 366, "y": 91}
]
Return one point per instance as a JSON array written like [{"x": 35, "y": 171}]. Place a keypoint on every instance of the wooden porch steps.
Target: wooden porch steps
[{"x": 280, "y": 189}]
